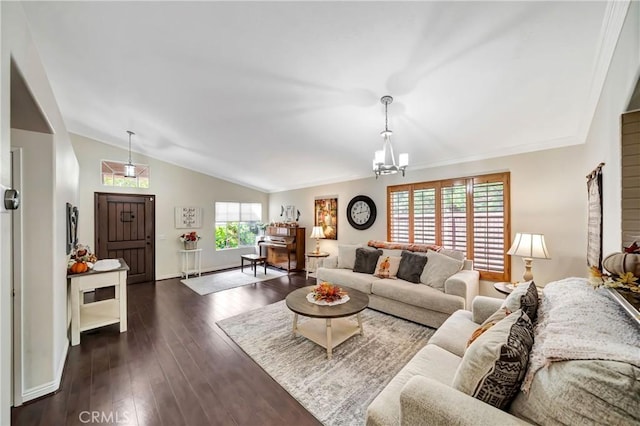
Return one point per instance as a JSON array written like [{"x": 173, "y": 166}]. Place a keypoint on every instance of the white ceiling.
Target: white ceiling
[{"x": 283, "y": 95}]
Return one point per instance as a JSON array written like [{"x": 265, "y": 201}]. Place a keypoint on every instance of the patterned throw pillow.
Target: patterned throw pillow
[
  {"x": 387, "y": 266},
  {"x": 494, "y": 366},
  {"x": 524, "y": 296},
  {"x": 366, "y": 260},
  {"x": 497, "y": 316},
  {"x": 411, "y": 266}
]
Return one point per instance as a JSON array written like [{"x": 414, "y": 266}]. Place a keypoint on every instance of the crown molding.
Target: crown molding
[{"x": 614, "y": 17}]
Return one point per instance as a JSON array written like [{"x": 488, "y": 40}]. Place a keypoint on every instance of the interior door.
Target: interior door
[{"x": 125, "y": 227}]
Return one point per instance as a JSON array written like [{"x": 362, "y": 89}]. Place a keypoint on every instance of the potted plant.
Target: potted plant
[{"x": 190, "y": 240}]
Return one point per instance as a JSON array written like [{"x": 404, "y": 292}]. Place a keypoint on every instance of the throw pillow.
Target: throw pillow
[
  {"x": 387, "y": 266},
  {"x": 347, "y": 255},
  {"x": 524, "y": 296},
  {"x": 438, "y": 269},
  {"x": 494, "y": 366},
  {"x": 366, "y": 260},
  {"x": 497, "y": 316},
  {"x": 411, "y": 266},
  {"x": 458, "y": 255}
]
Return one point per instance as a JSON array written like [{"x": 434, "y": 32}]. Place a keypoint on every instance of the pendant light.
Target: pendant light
[{"x": 129, "y": 168}]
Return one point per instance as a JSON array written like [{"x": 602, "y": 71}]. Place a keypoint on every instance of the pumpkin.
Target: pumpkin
[
  {"x": 79, "y": 267},
  {"x": 621, "y": 263}
]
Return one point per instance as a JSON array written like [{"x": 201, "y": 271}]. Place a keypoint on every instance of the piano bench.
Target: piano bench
[{"x": 254, "y": 259}]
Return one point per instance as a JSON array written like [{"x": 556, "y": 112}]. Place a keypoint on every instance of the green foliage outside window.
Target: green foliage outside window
[{"x": 236, "y": 234}]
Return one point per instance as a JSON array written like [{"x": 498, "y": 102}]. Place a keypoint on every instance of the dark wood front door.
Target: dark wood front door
[{"x": 125, "y": 227}]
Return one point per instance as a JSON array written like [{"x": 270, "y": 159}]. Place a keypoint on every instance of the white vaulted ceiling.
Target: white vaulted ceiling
[{"x": 282, "y": 95}]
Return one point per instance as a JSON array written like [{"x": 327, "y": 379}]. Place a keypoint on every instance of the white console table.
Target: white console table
[
  {"x": 98, "y": 314},
  {"x": 197, "y": 262}
]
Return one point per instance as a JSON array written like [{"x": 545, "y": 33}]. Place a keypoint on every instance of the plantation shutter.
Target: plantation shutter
[
  {"x": 470, "y": 215},
  {"x": 453, "y": 232},
  {"x": 489, "y": 225},
  {"x": 398, "y": 211},
  {"x": 424, "y": 216},
  {"x": 630, "y": 178}
]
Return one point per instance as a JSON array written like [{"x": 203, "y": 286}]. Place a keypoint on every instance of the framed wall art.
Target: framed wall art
[
  {"x": 72, "y": 227},
  {"x": 326, "y": 215},
  {"x": 188, "y": 217},
  {"x": 594, "y": 222}
]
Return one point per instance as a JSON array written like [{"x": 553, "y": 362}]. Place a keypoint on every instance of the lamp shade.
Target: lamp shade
[
  {"x": 317, "y": 232},
  {"x": 530, "y": 246}
]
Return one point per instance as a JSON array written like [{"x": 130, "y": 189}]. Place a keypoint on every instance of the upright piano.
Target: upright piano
[{"x": 285, "y": 247}]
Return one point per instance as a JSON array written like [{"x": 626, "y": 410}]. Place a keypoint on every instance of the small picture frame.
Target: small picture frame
[{"x": 290, "y": 213}]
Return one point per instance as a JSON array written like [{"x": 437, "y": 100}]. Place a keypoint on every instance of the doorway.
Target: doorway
[{"x": 125, "y": 228}]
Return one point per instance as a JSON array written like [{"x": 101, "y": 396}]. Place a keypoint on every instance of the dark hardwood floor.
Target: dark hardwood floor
[{"x": 173, "y": 366}]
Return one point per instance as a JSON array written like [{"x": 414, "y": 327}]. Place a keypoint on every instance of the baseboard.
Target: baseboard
[
  {"x": 52, "y": 386},
  {"x": 214, "y": 269}
]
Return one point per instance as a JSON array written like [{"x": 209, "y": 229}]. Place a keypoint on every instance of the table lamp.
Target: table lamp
[
  {"x": 317, "y": 233},
  {"x": 529, "y": 247}
]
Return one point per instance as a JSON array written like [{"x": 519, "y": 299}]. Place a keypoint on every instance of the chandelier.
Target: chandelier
[
  {"x": 130, "y": 168},
  {"x": 384, "y": 162}
]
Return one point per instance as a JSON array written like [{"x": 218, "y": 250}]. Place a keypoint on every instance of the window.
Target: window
[
  {"x": 467, "y": 214},
  {"x": 237, "y": 224},
  {"x": 113, "y": 175}
]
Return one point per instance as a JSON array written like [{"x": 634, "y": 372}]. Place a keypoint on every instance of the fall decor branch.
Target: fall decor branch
[{"x": 623, "y": 270}]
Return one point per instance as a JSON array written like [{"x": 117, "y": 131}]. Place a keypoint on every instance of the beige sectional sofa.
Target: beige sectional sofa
[
  {"x": 578, "y": 371},
  {"x": 420, "y": 303}
]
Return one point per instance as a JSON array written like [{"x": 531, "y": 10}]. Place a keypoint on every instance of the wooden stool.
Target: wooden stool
[{"x": 254, "y": 259}]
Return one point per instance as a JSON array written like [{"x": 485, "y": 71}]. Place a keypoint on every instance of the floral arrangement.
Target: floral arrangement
[
  {"x": 328, "y": 292},
  {"x": 623, "y": 268},
  {"x": 191, "y": 236},
  {"x": 83, "y": 253}
]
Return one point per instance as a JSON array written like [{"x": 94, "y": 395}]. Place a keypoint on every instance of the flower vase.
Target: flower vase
[{"x": 190, "y": 245}]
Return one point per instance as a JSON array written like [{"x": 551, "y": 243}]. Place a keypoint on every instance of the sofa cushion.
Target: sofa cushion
[
  {"x": 421, "y": 296},
  {"x": 496, "y": 317},
  {"x": 411, "y": 266},
  {"x": 525, "y": 297},
  {"x": 387, "y": 266},
  {"x": 494, "y": 366},
  {"x": 438, "y": 268},
  {"x": 432, "y": 362},
  {"x": 347, "y": 255},
  {"x": 346, "y": 278},
  {"x": 454, "y": 333},
  {"x": 366, "y": 260}
]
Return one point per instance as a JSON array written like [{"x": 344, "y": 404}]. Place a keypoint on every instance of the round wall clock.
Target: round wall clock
[{"x": 361, "y": 212}]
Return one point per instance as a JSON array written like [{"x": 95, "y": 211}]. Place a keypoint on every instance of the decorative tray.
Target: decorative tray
[{"x": 321, "y": 302}]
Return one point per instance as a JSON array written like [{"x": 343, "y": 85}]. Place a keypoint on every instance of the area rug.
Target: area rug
[
  {"x": 219, "y": 281},
  {"x": 336, "y": 391}
]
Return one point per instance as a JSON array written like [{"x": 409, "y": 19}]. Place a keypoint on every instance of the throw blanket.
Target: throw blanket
[{"x": 575, "y": 321}]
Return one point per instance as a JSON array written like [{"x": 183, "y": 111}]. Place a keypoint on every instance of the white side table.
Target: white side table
[
  {"x": 98, "y": 314},
  {"x": 311, "y": 260},
  {"x": 197, "y": 262}
]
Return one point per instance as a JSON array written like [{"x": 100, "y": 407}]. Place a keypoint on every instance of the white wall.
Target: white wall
[
  {"x": 172, "y": 186},
  {"x": 46, "y": 358},
  {"x": 37, "y": 190},
  {"x": 603, "y": 141}
]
